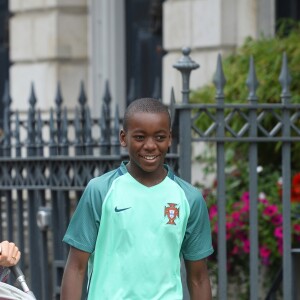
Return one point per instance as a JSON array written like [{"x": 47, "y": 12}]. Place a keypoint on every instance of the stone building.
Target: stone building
[{"x": 131, "y": 43}]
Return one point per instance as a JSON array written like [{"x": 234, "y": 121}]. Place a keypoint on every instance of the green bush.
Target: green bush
[{"x": 267, "y": 54}]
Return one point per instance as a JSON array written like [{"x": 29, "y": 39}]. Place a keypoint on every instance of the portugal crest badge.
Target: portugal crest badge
[{"x": 172, "y": 212}]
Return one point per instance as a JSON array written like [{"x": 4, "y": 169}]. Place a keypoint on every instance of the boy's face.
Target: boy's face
[{"x": 147, "y": 139}]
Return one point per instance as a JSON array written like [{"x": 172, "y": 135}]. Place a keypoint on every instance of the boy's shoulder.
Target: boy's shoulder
[
  {"x": 186, "y": 186},
  {"x": 193, "y": 194},
  {"x": 106, "y": 179}
]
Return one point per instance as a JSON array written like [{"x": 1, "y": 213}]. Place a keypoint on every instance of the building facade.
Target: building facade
[{"x": 131, "y": 44}]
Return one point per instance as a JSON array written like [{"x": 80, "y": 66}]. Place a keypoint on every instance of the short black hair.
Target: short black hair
[{"x": 148, "y": 105}]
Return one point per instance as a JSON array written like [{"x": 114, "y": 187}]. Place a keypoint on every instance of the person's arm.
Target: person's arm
[
  {"x": 198, "y": 280},
  {"x": 74, "y": 273},
  {"x": 9, "y": 254}
]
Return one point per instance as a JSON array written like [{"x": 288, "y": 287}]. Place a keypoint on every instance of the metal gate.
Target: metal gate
[{"x": 47, "y": 158}]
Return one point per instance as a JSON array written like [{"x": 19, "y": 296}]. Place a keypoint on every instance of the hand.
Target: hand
[{"x": 9, "y": 254}]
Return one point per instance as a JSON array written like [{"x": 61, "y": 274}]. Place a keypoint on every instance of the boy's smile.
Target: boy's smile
[{"x": 147, "y": 138}]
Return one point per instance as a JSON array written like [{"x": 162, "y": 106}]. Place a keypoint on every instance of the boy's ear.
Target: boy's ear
[{"x": 122, "y": 138}]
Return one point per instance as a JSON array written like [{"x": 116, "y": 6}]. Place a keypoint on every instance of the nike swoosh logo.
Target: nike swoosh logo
[{"x": 120, "y": 209}]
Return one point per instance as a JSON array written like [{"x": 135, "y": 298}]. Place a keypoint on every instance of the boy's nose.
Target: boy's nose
[{"x": 150, "y": 143}]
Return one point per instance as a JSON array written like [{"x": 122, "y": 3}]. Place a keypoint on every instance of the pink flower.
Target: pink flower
[
  {"x": 297, "y": 228},
  {"x": 264, "y": 252},
  {"x": 277, "y": 220},
  {"x": 236, "y": 215},
  {"x": 246, "y": 246},
  {"x": 235, "y": 250},
  {"x": 230, "y": 225},
  {"x": 213, "y": 211},
  {"x": 245, "y": 207},
  {"x": 278, "y": 232},
  {"x": 265, "y": 261},
  {"x": 245, "y": 197},
  {"x": 270, "y": 210},
  {"x": 262, "y": 198},
  {"x": 236, "y": 205}
]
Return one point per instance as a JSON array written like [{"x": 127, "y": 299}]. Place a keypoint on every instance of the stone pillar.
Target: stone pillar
[
  {"x": 48, "y": 44},
  {"x": 209, "y": 27},
  {"x": 107, "y": 52}
]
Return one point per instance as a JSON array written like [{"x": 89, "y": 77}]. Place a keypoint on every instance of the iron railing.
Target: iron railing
[{"x": 47, "y": 158}]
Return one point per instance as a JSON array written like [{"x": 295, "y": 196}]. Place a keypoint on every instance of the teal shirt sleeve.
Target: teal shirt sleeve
[
  {"x": 197, "y": 242},
  {"x": 83, "y": 229}
]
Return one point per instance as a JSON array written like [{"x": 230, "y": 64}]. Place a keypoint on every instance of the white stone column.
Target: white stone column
[
  {"x": 48, "y": 44},
  {"x": 209, "y": 27},
  {"x": 107, "y": 52}
]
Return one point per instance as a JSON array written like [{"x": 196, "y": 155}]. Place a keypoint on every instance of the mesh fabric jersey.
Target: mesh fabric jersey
[{"x": 137, "y": 234}]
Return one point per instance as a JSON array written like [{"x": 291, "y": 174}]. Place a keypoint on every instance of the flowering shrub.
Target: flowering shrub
[{"x": 270, "y": 221}]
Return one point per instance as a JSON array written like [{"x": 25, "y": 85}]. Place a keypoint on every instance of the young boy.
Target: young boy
[{"x": 133, "y": 224}]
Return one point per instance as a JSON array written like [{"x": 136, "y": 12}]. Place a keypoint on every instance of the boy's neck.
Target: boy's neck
[{"x": 146, "y": 178}]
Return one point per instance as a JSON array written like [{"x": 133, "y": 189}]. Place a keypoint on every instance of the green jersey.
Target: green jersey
[{"x": 137, "y": 234}]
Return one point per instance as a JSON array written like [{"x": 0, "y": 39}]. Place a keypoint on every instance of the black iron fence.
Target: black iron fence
[
  {"x": 46, "y": 159},
  {"x": 285, "y": 131}
]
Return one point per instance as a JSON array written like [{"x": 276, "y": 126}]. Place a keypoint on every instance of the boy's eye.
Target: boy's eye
[
  {"x": 139, "y": 137},
  {"x": 160, "y": 137}
]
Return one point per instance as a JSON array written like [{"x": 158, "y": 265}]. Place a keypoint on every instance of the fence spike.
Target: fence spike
[
  {"x": 77, "y": 126},
  {"x": 174, "y": 123},
  {"x": 102, "y": 124},
  {"x": 6, "y": 99},
  {"x": 58, "y": 97},
  {"x": 156, "y": 90},
  {"x": 17, "y": 135},
  {"x": 116, "y": 122},
  {"x": 39, "y": 137},
  {"x": 172, "y": 106},
  {"x": 219, "y": 79},
  {"x": 88, "y": 127},
  {"x": 6, "y": 145},
  {"x": 78, "y": 132},
  {"x": 32, "y": 98},
  {"x": 185, "y": 65},
  {"x": 252, "y": 81},
  {"x": 52, "y": 128},
  {"x": 31, "y": 131},
  {"x": 64, "y": 134},
  {"x": 82, "y": 96},
  {"x": 104, "y": 138},
  {"x": 88, "y": 132},
  {"x": 63, "y": 145},
  {"x": 6, "y": 127},
  {"x": 106, "y": 104},
  {"x": 285, "y": 79},
  {"x": 107, "y": 96},
  {"x": 6, "y": 116},
  {"x": 132, "y": 91}
]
